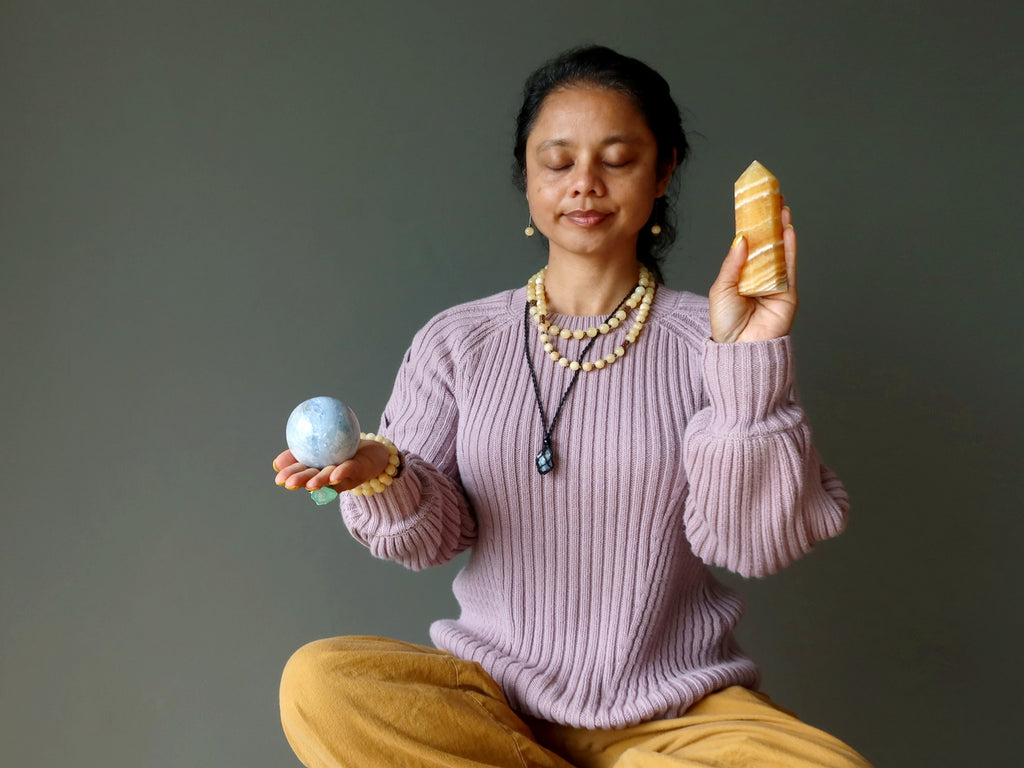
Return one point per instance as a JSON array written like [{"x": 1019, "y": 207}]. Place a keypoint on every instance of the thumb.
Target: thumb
[
  {"x": 370, "y": 460},
  {"x": 729, "y": 274}
]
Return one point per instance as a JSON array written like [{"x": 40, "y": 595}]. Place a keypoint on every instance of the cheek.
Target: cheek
[
  {"x": 648, "y": 188},
  {"x": 542, "y": 195}
]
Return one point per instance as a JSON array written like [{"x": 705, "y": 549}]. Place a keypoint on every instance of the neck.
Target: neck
[{"x": 587, "y": 288}]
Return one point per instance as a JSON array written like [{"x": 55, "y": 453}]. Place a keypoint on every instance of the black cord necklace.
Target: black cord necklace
[{"x": 546, "y": 457}]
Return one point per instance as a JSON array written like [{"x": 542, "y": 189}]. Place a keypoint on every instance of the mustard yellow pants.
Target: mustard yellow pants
[{"x": 368, "y": 702}]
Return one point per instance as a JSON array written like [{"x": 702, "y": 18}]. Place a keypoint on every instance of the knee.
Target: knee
[
  {"x": 325, "y": 685},
  {"x": 318, "y": 670},
  {"x": 335, "y": 671},
  {"x": 306, "y": 682}
]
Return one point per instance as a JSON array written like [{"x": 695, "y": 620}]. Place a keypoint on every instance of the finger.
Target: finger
[
  {"x": 354, "y": 472},
  {"x": 296, "y": 477},
  {"x": 787, "y": 216},
  {"x": 729, "y": 274},
  {"x": 345, "y": 472},
  {"x": 299, "y": 479},
  {"x": 284, "y": 459},
  {"x": 370, "y": 460},
  {"x": 321, "y": 478},
  {"x": 343, "y": 480},
  {"x": 283, "y": 474},
  {"x": 789, "y": 244}
]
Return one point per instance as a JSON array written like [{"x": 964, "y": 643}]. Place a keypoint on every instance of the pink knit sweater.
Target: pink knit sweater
[{"x": 586, "y": 595}]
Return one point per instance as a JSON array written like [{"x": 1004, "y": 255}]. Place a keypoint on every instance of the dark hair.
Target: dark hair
[{"x": 599, "y": 66}]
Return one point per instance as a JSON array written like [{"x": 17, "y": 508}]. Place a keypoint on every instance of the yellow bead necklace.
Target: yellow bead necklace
[{"x": 640, "y": 300}]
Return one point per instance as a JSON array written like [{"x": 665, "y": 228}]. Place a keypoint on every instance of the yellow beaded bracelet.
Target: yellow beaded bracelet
[{"x": 385, "y": 478}]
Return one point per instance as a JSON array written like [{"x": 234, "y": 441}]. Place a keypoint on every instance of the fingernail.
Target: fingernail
[
  {"x": 275, "y": 467},
  {"x": 736, "y": 241}
]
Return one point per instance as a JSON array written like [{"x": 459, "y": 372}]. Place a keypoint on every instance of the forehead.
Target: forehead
[{"x": 585, "y": 114}]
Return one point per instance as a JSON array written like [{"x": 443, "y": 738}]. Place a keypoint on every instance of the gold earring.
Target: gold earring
[
  {"x": 656, "y": 230},
  {"x": 530, "y": 231}
]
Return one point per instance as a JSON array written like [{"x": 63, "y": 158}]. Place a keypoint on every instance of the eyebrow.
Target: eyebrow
[{"x": 552, "y": 143}]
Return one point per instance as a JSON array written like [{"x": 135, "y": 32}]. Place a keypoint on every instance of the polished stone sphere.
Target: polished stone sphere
[{"x": 322, "y": 431}]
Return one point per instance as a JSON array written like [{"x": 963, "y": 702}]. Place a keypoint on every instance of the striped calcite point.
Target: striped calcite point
[{"x": 759, "y": 219}]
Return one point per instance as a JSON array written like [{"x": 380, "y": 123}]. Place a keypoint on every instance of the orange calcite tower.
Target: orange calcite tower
[{"x": 759, "y": 220}]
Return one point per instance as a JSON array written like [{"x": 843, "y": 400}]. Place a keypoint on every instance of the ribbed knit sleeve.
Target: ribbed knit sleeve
[
  {"x": 423, "y": 518},
  {"x": 759, "y": 494}
]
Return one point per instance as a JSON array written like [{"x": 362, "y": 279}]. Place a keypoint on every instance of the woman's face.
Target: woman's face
[{"x": 591, "y": 172}]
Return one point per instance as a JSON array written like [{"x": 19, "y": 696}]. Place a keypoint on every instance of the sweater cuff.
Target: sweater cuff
[
  {"x": 388, "y": 513},
  {"x": 750, "y": 386}
]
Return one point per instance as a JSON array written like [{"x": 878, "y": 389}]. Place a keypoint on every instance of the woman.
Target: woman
[{"x": 596, "y": 439}]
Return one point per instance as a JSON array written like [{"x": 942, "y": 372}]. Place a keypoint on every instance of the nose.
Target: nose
[{"x": 586, "y": 180}]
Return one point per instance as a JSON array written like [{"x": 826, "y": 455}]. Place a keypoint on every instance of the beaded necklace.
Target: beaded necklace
[{"x": 642, "y": 296}]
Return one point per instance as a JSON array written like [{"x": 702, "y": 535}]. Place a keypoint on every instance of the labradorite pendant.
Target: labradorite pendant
[{"x": 545, "y": 459}]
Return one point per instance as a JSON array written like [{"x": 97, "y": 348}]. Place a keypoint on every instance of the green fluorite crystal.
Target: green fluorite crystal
[{"x": 323, "y": 495}]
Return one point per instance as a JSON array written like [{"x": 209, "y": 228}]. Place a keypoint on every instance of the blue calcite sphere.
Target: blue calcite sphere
[{"x": 322, "y": 431}]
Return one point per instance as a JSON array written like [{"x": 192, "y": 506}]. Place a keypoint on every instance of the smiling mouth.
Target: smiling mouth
[{"x": 586, "y": 218}]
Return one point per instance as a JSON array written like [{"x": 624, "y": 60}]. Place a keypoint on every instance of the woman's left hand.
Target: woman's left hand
[{"x": 746, "y": 318}]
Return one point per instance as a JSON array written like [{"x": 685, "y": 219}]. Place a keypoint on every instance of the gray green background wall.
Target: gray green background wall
[{"x": 211, "y": 211}]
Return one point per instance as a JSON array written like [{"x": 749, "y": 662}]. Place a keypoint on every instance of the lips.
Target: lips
[{"x": 586, "y": 218}]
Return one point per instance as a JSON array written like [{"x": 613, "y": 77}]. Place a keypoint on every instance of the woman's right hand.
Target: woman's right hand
[{"x": 370, "y": 460}]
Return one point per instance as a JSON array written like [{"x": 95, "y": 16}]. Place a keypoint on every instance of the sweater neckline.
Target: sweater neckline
[{"x": 517, "y": 298}]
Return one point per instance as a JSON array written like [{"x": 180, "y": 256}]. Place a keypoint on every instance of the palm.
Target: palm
[{"x": 370, "y": 460}]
